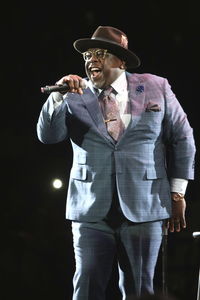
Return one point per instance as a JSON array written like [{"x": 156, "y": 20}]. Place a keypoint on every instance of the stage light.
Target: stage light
[{"x": 57, "y": 183}]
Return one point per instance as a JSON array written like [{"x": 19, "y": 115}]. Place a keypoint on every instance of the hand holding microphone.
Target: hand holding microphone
[{"x": 69, "y": 83}]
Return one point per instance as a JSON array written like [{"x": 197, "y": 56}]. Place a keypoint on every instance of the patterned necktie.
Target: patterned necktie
[{"x": 111, "y": 113}]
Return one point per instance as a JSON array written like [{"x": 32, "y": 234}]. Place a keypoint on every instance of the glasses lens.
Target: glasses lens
[
  {"x": 87, "y": 55},
  {"x": 100, "y": 53}
]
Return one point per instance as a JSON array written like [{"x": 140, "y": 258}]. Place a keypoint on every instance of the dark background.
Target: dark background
[{"x": 36, "y": 258}]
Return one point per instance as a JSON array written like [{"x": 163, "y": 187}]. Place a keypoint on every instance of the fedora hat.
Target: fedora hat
[{"x": 112, "y": 39}]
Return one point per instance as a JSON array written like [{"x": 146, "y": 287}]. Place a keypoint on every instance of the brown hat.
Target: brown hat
[{"x": 113, "y": 40}]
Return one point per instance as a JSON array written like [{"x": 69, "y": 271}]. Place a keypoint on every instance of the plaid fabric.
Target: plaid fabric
[{"x": 136, "y": 162}]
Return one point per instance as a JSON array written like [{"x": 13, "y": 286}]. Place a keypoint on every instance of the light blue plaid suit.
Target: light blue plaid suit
[{"x": 137, "y": 162}]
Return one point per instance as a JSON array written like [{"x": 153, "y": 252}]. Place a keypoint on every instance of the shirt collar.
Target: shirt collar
[{"x": 120, "y": 84}]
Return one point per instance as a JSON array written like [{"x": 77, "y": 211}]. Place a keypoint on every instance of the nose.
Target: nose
[
  {"x": 93, "y": 58},
  {"x": 89, "y": 62}
]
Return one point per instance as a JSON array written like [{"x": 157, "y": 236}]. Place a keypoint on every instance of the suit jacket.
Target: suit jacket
[{"x": 157, "y": 144}]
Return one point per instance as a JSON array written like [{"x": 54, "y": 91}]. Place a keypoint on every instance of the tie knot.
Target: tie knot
[{"x": 107, "y": 91}]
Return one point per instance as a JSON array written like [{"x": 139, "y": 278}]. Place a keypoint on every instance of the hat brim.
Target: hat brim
[{"x": 131, "y": 59}]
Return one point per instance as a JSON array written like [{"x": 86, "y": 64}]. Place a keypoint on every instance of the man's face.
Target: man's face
[{"x": 102, "y": 67}]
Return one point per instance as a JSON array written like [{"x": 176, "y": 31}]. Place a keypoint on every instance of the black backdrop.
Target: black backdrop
[{"x": 36, "y": 244}]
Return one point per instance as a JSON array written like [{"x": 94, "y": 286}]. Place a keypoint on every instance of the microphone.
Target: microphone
[
  {"x": 48, "y": 89},
  {"x": 196, "y": 234}
]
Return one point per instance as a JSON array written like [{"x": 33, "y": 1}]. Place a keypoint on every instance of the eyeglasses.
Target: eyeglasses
[{"x": 98, "y": 53}]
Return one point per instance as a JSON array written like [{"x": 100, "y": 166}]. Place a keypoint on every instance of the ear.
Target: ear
[{"x": 123, "y": 65}]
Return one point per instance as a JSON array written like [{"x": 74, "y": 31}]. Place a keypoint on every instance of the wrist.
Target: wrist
[{"x": 177, "y": 196}]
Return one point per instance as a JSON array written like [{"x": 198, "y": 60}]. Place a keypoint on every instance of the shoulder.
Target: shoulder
[
  {"x": 151, "y": 83},
  {"x": 146, "y": 78}
]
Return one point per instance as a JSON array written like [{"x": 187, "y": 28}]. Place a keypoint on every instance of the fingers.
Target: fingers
[
  {"x": 171, "y": 225},
  {"x": 176, "y": 224},
  {"x": 177, "y": 221},
  {"x": 74, "y": 82},
  {"x": 183, "y": 223}
]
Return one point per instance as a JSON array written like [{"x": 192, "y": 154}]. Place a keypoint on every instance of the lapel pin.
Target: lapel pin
[{"x": 139, "y": 89}]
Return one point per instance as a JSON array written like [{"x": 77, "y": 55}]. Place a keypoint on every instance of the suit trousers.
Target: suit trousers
[{"x": 97, "y": 244}]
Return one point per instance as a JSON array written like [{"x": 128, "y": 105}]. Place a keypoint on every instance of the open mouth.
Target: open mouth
[{"x": 95, "y": 73}]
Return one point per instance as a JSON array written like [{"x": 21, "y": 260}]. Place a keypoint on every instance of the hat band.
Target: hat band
[{"x": 109, "y": 41}]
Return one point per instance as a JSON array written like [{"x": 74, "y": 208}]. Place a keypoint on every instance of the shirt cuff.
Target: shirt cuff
[
  {"x": 57, "y": 99},
  {"x": 178, "y": 185}
]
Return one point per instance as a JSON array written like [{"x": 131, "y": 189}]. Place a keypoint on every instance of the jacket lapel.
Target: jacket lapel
[{"x": 136, "y": 87}]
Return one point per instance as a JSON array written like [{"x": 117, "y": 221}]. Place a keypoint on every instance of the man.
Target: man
[{"x": 133, "y": 154}]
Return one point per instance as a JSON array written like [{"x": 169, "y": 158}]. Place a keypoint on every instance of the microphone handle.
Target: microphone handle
[{"x": 48, "y": 89}]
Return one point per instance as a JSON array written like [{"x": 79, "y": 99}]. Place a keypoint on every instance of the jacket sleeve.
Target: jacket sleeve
[
  {"x": 179, "y": 138},
  {"x": 51, "y": 126}
]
